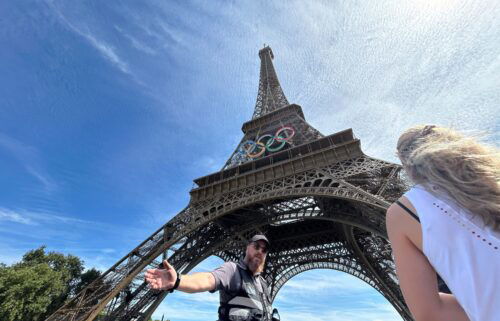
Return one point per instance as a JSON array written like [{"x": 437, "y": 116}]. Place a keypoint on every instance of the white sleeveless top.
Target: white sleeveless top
[{"x": 462, "y": 251}]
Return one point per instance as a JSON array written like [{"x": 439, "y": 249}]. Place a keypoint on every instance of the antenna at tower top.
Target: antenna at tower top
[
  {"x": 270, "y": 96},
  {"x": 266, "y": 49}
]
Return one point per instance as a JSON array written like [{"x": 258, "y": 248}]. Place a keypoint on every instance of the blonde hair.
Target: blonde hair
[{"x": 460, "y": 167}]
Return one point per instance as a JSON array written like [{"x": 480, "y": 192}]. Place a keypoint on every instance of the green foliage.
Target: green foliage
[
  {"x": 70, "y": 267},
  {"x": 86, "y": 278},
  {"x": 38, "y": 285},
  {"x": 27, "y": 291}
]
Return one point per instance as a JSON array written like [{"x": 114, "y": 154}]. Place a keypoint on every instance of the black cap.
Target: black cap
[{"x": 259, "y": 237}]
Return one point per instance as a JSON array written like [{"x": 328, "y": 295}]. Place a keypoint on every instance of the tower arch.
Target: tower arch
[{"x": 320, "y": 200}]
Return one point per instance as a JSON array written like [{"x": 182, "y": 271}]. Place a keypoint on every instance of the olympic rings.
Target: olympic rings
[{"x": 265, "y": 142}]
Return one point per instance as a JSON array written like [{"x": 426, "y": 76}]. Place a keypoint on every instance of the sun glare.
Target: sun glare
[{"x": 434, "y": 6}]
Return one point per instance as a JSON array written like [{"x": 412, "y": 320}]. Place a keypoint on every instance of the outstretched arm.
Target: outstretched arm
[
  {"x": 197, "y": 282},
  {"x": 416, "y": 275},
  {"x": 164, "y": 279}
]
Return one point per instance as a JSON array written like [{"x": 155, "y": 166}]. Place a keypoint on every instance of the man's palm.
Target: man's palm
[{"x": 162, "y": 279}]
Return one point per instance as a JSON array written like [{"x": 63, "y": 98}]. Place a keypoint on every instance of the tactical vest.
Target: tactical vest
[{"x": 247, "y": 304}]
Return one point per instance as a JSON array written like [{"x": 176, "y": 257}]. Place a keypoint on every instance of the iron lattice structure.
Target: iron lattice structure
[{"x": 320, "y": 200}]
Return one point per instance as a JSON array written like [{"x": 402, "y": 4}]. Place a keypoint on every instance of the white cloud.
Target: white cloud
[
  {"x": 8, "y": 215},
  {"x": 208, "y": 164},
  {"x": 31, "y": 160},
  {"x": 182, "y": 306},
  {"x": 331, "y": 295},
  {"x": 318, "y": 281},
  {"x": 326, "y": 314},
  {"x": 104, "y": 48},
  {"x": 27, "y": 217},
  {"x": 108, "y": 250},
  {"x": 46, "y": 226},
  {"x": 377, "y": 68},
  {"x": 10, "y": 255},
  {"x": 137, "y": 44}
]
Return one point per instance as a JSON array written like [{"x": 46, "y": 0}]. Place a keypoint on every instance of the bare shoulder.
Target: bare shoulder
[
  {"x": 401, "y": 224},
  {"x": 396, "y": 219}
]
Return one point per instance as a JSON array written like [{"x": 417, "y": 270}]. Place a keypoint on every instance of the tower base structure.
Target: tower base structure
[{"x": 319, "y": 199}]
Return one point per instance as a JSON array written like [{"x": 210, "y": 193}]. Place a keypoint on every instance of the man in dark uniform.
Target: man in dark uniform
[{"x": 244, "y": 294}]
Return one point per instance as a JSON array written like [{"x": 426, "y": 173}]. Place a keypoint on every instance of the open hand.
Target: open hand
[{"x": 162, "y": 279}]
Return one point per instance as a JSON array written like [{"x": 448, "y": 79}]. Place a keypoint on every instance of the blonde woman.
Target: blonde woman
[{"x": 448, "y": 223}]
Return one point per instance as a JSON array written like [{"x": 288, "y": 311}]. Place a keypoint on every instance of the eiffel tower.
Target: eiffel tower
[{"x": 319, "y": 199}]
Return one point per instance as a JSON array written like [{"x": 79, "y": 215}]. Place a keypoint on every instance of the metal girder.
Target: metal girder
[
  {"x": 319, "y": 199},
  {"x": 302, "y": 190},
  {"x": 270, "y": 96},
  {"x": 393, "y": 294}
]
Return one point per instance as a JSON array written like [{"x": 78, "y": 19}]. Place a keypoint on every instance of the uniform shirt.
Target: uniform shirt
[{"x": 228, "y": 279}]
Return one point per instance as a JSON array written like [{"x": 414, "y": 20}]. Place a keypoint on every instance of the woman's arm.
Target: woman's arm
[{"x": 417, "y": 278}]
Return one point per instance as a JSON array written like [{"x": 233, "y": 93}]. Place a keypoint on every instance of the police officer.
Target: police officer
[{"x": 244, "y": 294}]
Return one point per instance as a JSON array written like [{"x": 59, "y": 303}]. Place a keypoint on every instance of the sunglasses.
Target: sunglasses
[{"x": 257, "y": 247}]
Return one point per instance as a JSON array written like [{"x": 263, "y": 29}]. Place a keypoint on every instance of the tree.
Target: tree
[
  {"x": 41, "y": 283},
  {"x": 26, "y": 292},
  {"x": 86, "y": 278},
  {"x": 69, "y": 266}
]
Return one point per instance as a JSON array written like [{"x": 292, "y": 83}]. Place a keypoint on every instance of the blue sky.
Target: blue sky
[{"x": 109, "y": 110}]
